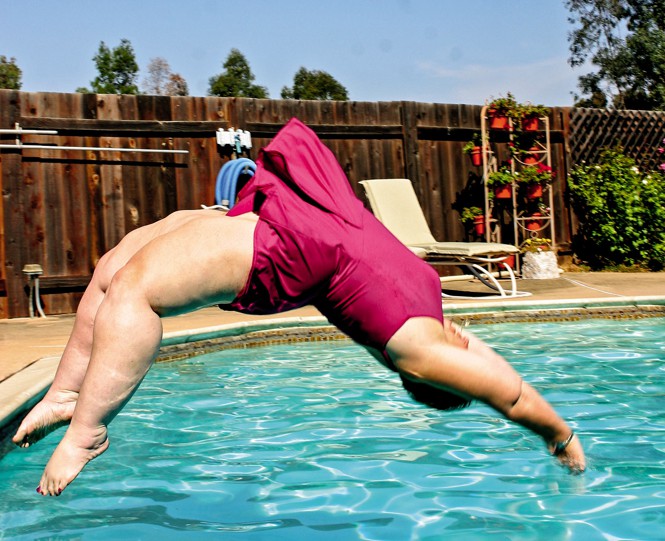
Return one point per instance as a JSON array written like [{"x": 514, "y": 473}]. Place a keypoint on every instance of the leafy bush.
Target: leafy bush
[{"x": 621, "y": 212}]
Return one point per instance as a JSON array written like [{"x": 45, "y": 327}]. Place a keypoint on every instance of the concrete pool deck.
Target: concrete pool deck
[{"x": 31, "y": 347}]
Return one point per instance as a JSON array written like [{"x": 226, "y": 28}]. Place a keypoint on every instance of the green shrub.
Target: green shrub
[{"x": 621, "y": 211}]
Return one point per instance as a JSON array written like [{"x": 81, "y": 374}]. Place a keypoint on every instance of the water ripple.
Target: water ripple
[{"x": 313, "y": 441}]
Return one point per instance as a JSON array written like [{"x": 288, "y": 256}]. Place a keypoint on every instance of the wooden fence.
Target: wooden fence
[{"x": 62, "y": 209}]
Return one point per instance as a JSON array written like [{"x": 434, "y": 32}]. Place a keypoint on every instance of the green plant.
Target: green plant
[
  {"x": 469, "y": 213},
  {"x": 522, "y": 143},
  {"x": 529, "y": 110},
  {"x": 500, "y": 178},
  {"x": 506, "y": 106},
  {"x": 621, "y": 213},
  {"x": 535, "y": 174},
  {"x": 476, "y": 141},
  {"x": 536, "y": 244}
]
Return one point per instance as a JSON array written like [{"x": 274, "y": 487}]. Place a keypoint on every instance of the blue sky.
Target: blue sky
[{"x": 444, "y": 51}]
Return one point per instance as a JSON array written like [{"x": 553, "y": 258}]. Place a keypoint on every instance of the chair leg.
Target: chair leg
[{"x": 486, "y": 278}]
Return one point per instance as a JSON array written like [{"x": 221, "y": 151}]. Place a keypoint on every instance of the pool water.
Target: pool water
[{"x": 319, "y": 442}]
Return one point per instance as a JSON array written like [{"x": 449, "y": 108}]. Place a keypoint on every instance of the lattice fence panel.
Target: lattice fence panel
[{"x": 639, "y": 133}]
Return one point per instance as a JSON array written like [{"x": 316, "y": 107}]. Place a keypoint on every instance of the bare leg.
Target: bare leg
[
  {"x": 57, "y": 406},
  {"x": 214, "y": 255},
  {"x": 425, "y": 351}
]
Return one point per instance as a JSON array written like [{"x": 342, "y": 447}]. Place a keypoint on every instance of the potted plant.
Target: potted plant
[
  {"x": 536, "y": 244},
  {"x": 531, "y": 115},
  {"x": 474, "y": 215},
  {"x": 475, "y": 150},
  {"x": 526, "y": 149},
  {"x": 500, "y": 110},
  {"x": 533, "y": 155},
  {"x": 501, "y": 182},
  {"x": 540, "y": 261},
  {"x": 534, "y": 223},
  {"x": 535, "y": 177}
]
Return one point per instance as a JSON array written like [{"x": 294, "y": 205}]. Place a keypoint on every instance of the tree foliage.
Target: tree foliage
[
  {"x": 10, "y": 74},
  {"x": 315, "y": 85},
  {"x": 176, "y": 86},
  {"x": 117, "y": 70},
  {"x": 237, "y": 80},
  {"x": 625, "y": 41},
  {"x": 161, "y": 81}
]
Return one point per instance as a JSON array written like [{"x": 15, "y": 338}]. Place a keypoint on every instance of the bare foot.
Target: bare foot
[
  {"x": 70, "y": 457},
  {"x": 49, "y": 414}
]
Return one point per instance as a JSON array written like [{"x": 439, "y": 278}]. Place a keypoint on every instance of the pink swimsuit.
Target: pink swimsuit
[{"x": 315, "y": 243}]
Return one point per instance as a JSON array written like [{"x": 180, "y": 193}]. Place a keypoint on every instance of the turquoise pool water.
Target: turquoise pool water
[{"x": 319, "y": 442}]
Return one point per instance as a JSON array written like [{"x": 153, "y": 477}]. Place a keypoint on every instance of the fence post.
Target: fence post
[
  {"x": 410, "y": 137},
  {"x": 13, "y": 224}
]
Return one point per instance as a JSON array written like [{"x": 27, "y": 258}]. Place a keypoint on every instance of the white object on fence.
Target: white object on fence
[
  {"x": 233, "y": 138},
  {"x": 20, "y": 145}
]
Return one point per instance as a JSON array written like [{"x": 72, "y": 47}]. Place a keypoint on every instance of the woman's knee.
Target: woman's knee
[{"x": 126, "y": 285}]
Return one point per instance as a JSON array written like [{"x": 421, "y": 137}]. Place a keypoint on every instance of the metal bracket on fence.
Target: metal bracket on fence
[
  {"x": 20, "y": 145},
  {"x": 237, "y": 139},
  {"x": 33, "y": 272}
]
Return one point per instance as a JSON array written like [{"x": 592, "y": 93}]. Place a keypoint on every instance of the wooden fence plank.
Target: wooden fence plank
[
  {"x": 111, "y": 172},
  {"x": 13, "y": 302},
  {"x": 31, "y": 202}
]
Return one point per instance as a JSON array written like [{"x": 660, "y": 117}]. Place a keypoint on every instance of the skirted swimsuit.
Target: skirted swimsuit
[{"x": 315, "y": 243}]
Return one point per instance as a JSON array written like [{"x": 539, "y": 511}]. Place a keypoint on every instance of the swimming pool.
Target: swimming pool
[{"x": 317, "y": 441}]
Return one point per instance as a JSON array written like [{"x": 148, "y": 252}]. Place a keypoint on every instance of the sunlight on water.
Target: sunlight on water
[{"x": 317, "y": 441}]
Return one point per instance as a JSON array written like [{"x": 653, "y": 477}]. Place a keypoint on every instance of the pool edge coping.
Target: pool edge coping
[{"x": 23, "y": 389}]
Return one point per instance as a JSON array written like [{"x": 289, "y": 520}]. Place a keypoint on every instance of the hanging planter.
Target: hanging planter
[
  {"x": 474, "y": 216},
  {"x": 476, "y": 156},
  {"x": 532, "y": 157},
  {"x": 499, "y": 110},
  {"x": 534, "y": 191},
  {"x": 503, "y": 192},
  {"x": 474, "y": 149},
  {"x": 530, "y": 123},
  {"x": 531, "y": 115},
  {"x": 534, "y": 178},
  {"x": 498, "y": 121},
  {"x": 479, "y": 225},
  {"x": 501, "y": 182},
  {"x": 534, "y": 223}
]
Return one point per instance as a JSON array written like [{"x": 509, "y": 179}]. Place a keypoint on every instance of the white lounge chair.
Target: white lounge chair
[{"x": 395, "y": 204}]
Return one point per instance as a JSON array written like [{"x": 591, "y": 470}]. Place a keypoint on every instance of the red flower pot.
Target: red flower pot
[
  {"x": 503, "y": 192},
  {"x": 498, "y": 121},
  {"x": 532, "y": 159},
  {"x": 479, "y": 225},
  {"x": 530, "y": 123},
  {"x": 534, "y": 224},
  {"x": 534, "y": 191},
  {"x": 510, "y": 261},
  {"x": 476, "y": 156}
]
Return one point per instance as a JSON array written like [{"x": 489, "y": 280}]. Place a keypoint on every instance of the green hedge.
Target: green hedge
[{"x": 621, "y": 211}]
